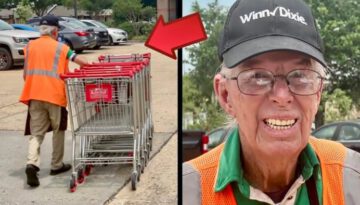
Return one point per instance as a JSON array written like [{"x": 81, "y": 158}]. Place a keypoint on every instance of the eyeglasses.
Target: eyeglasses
[{"x": 261, "y": 81}]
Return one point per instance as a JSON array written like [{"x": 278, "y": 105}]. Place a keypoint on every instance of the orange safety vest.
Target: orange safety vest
[
  {"x": 339, "y": 188},
  {"x": 45, "y": 60}
]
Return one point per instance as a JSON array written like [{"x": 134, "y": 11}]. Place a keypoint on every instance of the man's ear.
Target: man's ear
[{"x": 222, "y": 95}]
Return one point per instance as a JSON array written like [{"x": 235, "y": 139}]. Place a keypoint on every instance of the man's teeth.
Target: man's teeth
[{"x": 280, "y": 124}]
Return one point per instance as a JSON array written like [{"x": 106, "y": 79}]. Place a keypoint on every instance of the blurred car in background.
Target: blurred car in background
[
  {"x": 12, "y": 43},
  {"x": 24, "y": 27},
  {"x": 116, "y": 35},
  {"x": 102, "y": 35},
  {"x": 77, "y": 38},
  {"x": 219, "y": 135},
  {"x": 345, "y": 132}
]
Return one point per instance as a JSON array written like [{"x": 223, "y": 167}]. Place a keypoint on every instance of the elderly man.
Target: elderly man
[
  {"x": 271, "y": 82},
  {"x": 44, "y": 93}
]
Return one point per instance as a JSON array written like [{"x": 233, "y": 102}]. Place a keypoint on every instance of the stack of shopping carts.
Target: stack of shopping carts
[{"x": 110, "y": 115}]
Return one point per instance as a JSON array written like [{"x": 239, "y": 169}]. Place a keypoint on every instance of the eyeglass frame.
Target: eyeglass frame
[{"x": 322, "y": 80}]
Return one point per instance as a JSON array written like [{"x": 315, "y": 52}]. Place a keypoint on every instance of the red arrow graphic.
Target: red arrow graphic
[{"x": 165, "y": 38}]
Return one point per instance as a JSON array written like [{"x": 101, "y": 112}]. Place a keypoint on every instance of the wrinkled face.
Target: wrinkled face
[{"x": 279, "y": 121}]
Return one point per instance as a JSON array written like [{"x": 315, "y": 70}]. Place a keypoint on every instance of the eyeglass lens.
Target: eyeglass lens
[{"x": 260, "y": 81}]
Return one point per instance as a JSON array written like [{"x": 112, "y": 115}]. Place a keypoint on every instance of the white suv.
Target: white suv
[
  {"x": 12, "y": 43},
  {"x": 116, "y": 35}
]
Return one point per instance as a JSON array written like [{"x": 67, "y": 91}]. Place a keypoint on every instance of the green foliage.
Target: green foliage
[
  {"x": 134, "y": 12},
  {"x": 339, "y": 26},
  {"x": 197, "y": 84},
  {"x": 143, "y": 33},
  {"x": 9, "y": 4},
  {"x": 338, "y": 105},
  {"x": 139, "y": 38},
  {"x": 39, "y": 7},
  {"x": 203, "y": 56},
  {"x": 128, "y": 28},
  {"x": 95, "y": 6},
  {"x": 23, "y": 11}
]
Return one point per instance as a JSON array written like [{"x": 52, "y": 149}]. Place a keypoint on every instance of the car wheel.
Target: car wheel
[
  {"x": 97, "y": 47},
  {"x": 78, "y": 51},
  {"x": 111, "y": 41},
  {"x": 6, "y": 60}
]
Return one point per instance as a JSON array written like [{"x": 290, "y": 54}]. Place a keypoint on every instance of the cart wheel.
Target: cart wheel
[
  {"x": 146, "y": 158},
  {"x": 73, "y": 184},
  {"x": 138, "y": 172},
  {"x": 142, "y": 166},
  {"x": 148, "y": 148},
  {"x": 151, "y": 144},
  {"x": 80, "y": 176},
  {"x": 133, "y": 181},
  {"x": 87, "y": 170}
]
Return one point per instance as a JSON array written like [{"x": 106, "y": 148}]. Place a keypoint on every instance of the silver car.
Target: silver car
[
  {"x": 116, "y": 35},
  {"x": 75, "y": 37},
  {"x": 12, "y": 43}
]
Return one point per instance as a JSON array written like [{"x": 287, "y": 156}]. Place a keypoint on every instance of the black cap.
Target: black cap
[
  {"x": 49, "y": 21},
  {"x": 254, "y": 27}
]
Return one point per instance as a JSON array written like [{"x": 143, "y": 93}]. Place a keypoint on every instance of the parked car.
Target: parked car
[
  {"x": 197, "y": 142},
  {"x": 102, "y": 35},
  {"x": 345, "y": 132},
  {"x": 24, "y": 27},
  {"x": 78, "y": 39},
  {"x": 194, "y": 144},
  {"x": 219, "y": 135},
  {"x": 116, "y": 35},
  {"x": 12, "y": 43}
]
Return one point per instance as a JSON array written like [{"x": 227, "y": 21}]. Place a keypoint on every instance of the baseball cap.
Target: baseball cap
[
  {"x": 49, "y": 21},
  {"x": 254, "y": 27}
]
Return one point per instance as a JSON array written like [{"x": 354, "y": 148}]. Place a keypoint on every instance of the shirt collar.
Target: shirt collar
[{"x": 230, "y": 165}]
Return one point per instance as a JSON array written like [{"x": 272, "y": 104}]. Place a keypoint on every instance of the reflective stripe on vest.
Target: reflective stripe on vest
[
  {"x": 191, "y": 185},
  {"x": 351, "y": 178},
  {"x": 340, "y": 175},
  {"x": 26, "y": 57},
  {"x": 39, "y": 71}
]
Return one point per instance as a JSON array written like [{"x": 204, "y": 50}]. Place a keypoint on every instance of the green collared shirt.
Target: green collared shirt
[{"x": 230, "y": 171}]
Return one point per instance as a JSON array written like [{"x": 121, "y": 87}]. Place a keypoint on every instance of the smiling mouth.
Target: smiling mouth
[{"x": 278, "y": 124}]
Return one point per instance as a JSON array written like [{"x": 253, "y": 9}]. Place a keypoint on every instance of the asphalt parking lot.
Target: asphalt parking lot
[{"x": 105, "y": 181}]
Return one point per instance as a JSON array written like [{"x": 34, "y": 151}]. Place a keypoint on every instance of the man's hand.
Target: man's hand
[{"x": 81, "y": 61}]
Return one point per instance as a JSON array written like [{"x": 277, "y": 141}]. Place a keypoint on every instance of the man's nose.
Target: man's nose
[{"x": 280, "y": 92}]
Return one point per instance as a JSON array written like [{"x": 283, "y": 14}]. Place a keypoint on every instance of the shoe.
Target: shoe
[
  {"x": 31, "y": 173},
  {"x": 64, "y": 168}
]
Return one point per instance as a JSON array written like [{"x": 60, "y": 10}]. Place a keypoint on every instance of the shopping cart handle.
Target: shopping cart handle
[{"x": 96, "y": 75}]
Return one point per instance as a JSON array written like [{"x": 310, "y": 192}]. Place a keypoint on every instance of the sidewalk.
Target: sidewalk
[{"x": 158, "y": 185}]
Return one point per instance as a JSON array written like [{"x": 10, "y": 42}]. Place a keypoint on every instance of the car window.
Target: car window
[
  {"x": 325, "y": 132},
  {"x": 89, "y": 24},
  {"x": 215, "y": 138},
  {"x": 349, "y": 132},
  {"x": 100, "y": 24},
  {"x": 5, "y": 26}
]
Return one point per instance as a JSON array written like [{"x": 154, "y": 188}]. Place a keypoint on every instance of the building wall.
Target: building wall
[{"x": 166, "y": 8}]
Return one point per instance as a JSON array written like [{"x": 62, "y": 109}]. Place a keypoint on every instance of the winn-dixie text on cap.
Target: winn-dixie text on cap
[{"x": 254, "y": 27}]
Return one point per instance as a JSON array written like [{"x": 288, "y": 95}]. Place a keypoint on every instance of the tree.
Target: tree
[
  {"x": 132, "y": 11},
  {"x": 9, "y": 4},
  {"x": 339, "y": 27},
  {"x": 339, "y": 105},
  {"x": 39, "y": 7},
  {"x": 93, "y": 7},
  {"x": 23, "y": 10},
  {"x": 203, "y": 56}
]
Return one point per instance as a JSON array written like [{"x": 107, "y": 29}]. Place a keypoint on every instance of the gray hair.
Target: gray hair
[{"x": 46, "y": 30}]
